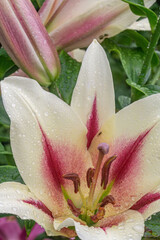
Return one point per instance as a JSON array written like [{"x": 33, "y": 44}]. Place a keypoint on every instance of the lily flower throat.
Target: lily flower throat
[{"x": 92, "y": 209}]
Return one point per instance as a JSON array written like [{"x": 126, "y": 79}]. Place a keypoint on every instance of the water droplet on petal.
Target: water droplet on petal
[{"x": 138, "y": 228}]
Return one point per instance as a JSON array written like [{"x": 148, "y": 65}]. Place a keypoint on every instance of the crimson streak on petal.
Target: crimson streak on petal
[
  {"x": 92, "y": 124},
  {"x": 39, "y": 205},
  {"x": 142, "y": 204},
  {"x": 52, "y": 164},
  {"x": 128, "y": 159}
]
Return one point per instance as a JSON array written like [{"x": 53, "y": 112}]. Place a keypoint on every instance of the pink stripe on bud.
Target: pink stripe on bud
[
  {"x": 25, "y": 39},
  {"x": 74, "y": 24}
]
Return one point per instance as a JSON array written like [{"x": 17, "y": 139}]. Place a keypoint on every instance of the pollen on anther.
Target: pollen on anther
[
  {"x": 89, "y": 176},
  {"x": 75, "y": 178}
]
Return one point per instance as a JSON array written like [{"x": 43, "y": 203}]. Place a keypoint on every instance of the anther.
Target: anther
[
  {"x": 89, "y": 176},
  {"x": 105, "y": 171},
  {"x": 99, "y": 215},
  {"x": 76, "y": 211},
  {"x": 75, "y": 178},
  {"x": 106, "y": 200}
]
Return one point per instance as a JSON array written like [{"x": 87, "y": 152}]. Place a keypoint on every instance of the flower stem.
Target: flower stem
[
  {"x": 156, "y": 77},
  {"x": 151, "y": 48}
]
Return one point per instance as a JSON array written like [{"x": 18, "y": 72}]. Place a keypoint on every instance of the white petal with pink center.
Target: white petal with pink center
[
  {"x": 46, "y": 141},
  {"x": 130, "y": 227},
  {"x": 149, "y": 204},
  {"x": 93, "y": 96},
  {"x": 15, "y": 198},
  {"x": 133, "y": 135},
  {"x": 141, "y": 25}
]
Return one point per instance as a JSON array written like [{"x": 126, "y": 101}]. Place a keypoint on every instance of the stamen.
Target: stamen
[
  {"x": 106, "y": 200},
  {"x": 99, "y": 215},
  {"x": 76, "y": 211},
  {"x": 103, "y": 149},
  {"x": 105, "y": 171},
  {"x": 75, "y": 178},
  {"x": 89, "y": 176}
]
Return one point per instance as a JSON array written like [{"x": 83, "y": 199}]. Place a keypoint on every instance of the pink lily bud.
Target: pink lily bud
[
  {"x": 74, "y": 24},
  {"x": 25, "y": 39}
]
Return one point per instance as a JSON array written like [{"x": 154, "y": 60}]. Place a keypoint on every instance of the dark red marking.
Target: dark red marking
[
  {"x": 51, "y": 159},
  {"x": 127, "y": 157},
  {"x": 92, "y": 124},
  {"x": 39, "y": 205},
  {"x": 142, "y": 204},
  {"x": 57, "y": 160},
  {"x": 111, "y": 221}
]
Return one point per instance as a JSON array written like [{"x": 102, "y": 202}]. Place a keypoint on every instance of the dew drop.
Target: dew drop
[
  {"x": 138, "y": 228},
  {"x": 13, "y": 105}
]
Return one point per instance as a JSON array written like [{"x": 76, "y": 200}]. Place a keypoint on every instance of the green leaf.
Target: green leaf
[
  {"x": 9, "y": 174},
  {"x": 153, "y": 224},
  {"x": 124, "y": 101},
  {"x": 35, "y": 4},
  {"x": 140, "y": 10},
  {"x": 29, "y": 224},
  {"x": 6, "y": 64},
  {"x": 131, "y": 58},
  {"x": 4, "y": 134},
  {"x": 40, "y": 2},
  {"x": 3, "y": 151},
  {"x": 4, "y": 119},
  {"x": 1, "y": 147},
  {"x": 147, "y": 90},
  {"x": 64, "y": 85},
  {"x": 141, "y": 42},
  {"x": 119, "y": 77}
]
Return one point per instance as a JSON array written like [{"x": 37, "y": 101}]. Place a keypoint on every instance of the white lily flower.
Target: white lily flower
[{"x": 105, "y": 193}]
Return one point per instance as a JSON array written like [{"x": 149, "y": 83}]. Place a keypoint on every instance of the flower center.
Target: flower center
[{"x": 92, "y": 209}]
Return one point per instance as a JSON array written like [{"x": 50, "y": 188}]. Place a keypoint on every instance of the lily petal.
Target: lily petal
[
  {"x": 134, "y": 138},
  {"x": 141, "y": 25},
  {"x": 76, "y": 23},
  {"x": 93, "y": 96},
  {"x": 25, "y": 39},
  {"x": 149, "y": 204},
  {"x": 47, "y": 10},
  {"x": 130, "y": 225},
  {"x": 77, "y": 54},
  {"x": 14, "y": 199},
  {"x": 123, "y": 21},
  {"x": 46, "y": 141}
]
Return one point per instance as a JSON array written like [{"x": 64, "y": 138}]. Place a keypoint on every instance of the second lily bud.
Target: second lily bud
[
  {"x": 75, "y": 23},
  {"x": 25, "y": 39}
]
